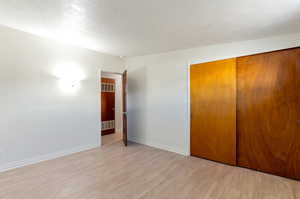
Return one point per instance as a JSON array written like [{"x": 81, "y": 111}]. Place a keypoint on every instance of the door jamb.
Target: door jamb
[
  {"x": 188, "y": 125},
  {"x": 99, "y": 73}
]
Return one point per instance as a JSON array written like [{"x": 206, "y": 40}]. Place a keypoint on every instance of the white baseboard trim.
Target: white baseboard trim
[
  {"x": 159, "y": 146},
  {"x": 37, "y": 159}
]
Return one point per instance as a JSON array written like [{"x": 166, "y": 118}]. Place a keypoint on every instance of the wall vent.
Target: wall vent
[
  {"x": 107, "y": 87},
  {"x": 107, "y": 125}
]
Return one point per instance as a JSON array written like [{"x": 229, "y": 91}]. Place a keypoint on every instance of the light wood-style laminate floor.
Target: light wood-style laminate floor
[
  {"x": 111, "y": 138},
  {"x": 140, "y": 172}
]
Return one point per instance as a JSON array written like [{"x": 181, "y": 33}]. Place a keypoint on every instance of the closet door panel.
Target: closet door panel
[
  {"x": 213, "y": 111},
  {"x": 268, "y": 128}
]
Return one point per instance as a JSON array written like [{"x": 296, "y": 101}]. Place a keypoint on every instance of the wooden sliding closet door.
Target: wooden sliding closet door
[
  {"x": 268, "y": 122},
  {"x": 213, "y": 111}
]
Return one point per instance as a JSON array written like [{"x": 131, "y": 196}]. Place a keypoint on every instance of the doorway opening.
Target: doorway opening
[{"x": 113, "y": 108}]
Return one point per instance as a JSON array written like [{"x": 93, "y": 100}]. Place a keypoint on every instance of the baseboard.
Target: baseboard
[
  {"x": 107, "y": 132},
  {"x": 29, "y": 161},
  {"x": 159, "y": 146}
]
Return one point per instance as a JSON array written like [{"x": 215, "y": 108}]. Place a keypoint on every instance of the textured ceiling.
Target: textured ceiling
[{"x": 138, "y": 27}]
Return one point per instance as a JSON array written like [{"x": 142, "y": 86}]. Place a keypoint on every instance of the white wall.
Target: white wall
[
  {"x": 38, "y": 120},
  {"x": 118, "y": 100},
  {"x": 158, "y": 99}
]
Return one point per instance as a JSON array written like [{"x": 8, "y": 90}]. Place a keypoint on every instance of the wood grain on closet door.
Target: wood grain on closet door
[
  {"x": 268, "y": 112},
  {"x": 213, "y": 111}
]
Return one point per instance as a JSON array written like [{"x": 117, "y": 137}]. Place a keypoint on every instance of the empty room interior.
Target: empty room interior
[{"x": 137, "y": 99}]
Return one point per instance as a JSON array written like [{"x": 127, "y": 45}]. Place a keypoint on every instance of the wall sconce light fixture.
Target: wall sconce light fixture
[{"x": 69, "y": 75}]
